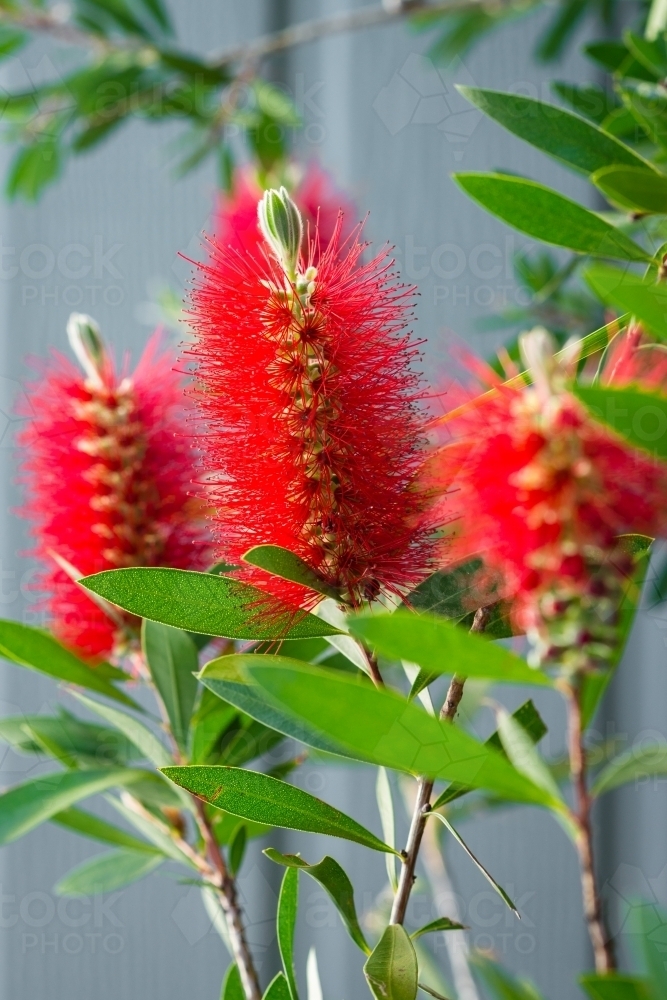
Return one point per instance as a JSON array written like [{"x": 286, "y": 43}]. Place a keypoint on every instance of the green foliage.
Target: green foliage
[
  {"x": 144, "y": 740},
  {"x": 286, "y": 925},
  {"x": 391, "y": 968},
  {"x": 203, "y": 602},
  {"x": 487, "y": 875},
  {"x": 32, "y": 647},
  {"x": 171, "y": 657},
  {"x": 649, "y": 923},
  {"x": 638, "y": 417},
  {"x": 439, "y": 646},
  {"x": 635, "y": 765},
  {"x": 288, "y": 566},
  {"x": 441, "y": 924},
  {"x": 383, "y": 728},
  {"x": 26, "y": 806},
  {"x": 548, "y": 216},
  {"x": 630, "y": 293},
  {"x": 108, "y": 872},
  {"x": 329, "y": 874},
  {"x": 278, "y": 988},
  {"x": 633, "y": 189},
  {"x": 616, "y": 986},
  {"x": 502, "y": 985},
  {"x": 95, "y": 828},
  {"x": 264, "y": 799},
  {"x": 232, "y": 987},
  {"x": 91, "y": 745}
]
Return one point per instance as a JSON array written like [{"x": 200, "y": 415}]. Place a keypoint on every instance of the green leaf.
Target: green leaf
[
  {"x": 548, "y": 216},
  {"x": 204, "y": 602},
  {"x": 616, "y": 986},
  {"x": 90, "y": 744},
  {"x": 107, "y": 872},
  {"x": 631, "y": 293},
  {"x": 520, "y": 749},
  {"x": 441, "y": 924},
  {"x": 391, "y": 968},
  {"x": 288, "y": 566},
  {"x": 567, "y": 137},
  {"x": 649, "y": 923},
  {"x": 647, "y": 102},
  {"x": 649, "y": 53},
  {"x": 26, "y": 806},
  {"x": 11, "y": 40},
  {"x": 441, "y": 647},
  {"x": 278, "y": 988},
  {"x": 383, "y": 728},
  {"x": 633, "y": 765},
  {"x": 589, "y": 100},
  {"x": 209, "y": 724},
  {"x": 531, "y": 722},
  {"x": 633, "y": 189},
  {"x": 568, "y": 15},
  {"x": 657, "y": 20},
  {"x": 386, "y": 810},
  {"x": 503, "y": 986},
  {"x": 172, "y": 660},
  {"x": 143, "y": 739},
  {"x": 98, "y": 829},
  {"x": 490, "y": 879},
  {"x": 32, "y": 647},
  {"x": 155, "y": 830},
  {"x": 639, "y": 417},
  {"x": 232, "y": 987},
  {"x": 237, "y": 849},
  {"x": 34, "y": 167},
  {"x": 263, "y": 799},
  {"x": 329, "y": 874},
  {"x": 226, "y": 678},
  {"x": 288, "y": 901}
]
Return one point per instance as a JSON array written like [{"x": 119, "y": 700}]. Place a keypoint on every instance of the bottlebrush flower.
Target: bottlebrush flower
[
  {"x": 635, "y": 360},
  {"x": 314, "y": 430},
  {"x": 106, "y": 461},
  {"x": 541, "y": 492},
  {"x": 314, "y": 193}
]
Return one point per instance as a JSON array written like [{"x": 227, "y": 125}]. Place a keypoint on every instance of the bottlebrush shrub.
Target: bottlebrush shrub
[
  {"x": 106, "y": 460},
  {"x": 541, "y": 492},
  {"x": 314, "y": 427},
  {"x": 319, "y": 201}
]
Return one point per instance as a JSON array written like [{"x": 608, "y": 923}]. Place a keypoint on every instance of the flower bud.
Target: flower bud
[
  {"x": 86, "y": 341},
  {"x": 282, "y": 228}
]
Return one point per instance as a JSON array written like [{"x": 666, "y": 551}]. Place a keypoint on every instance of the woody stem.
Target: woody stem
[
  {"x": 424, "y": 791},
  {"x": 603, "y": 948}
]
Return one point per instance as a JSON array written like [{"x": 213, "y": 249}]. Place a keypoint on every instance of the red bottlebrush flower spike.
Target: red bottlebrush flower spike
[
  {"x": 107, "y": 463},
  {"x": 541, "y": 492},
  {"x": 314, "y": 193},
  {"x": 314, "y": 432}
]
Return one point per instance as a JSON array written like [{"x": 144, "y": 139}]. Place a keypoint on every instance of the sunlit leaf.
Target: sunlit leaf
[{"x": 391, "y": 969}]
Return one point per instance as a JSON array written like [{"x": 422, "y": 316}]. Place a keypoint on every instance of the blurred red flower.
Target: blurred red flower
[{"x": 106, "y": 460}]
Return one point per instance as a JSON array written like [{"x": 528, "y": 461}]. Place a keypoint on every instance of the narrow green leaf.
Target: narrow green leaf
[
  {"x": 204, "y": 602},
  {"x": 226, "y": 678},
  {"x": 144, "y": 740},
  {"x": 330, "y": 611},
  {"x": 449, "y": 593},
  {"x": 153, "y": 829},
  {"x": 383, "y": 728},
  {"x": 107, "y": 872},
  {"x": 172, "y": 660},
  {"x": 391, "y": 969},
  {"x": 530, "y": 721},
  {"x": 657, "y": 20},
  {"x": 32, "y": 647},
  {"x": 263, "y": 799},
  {"x": 499, "y": 981},
  {"x": 639, "y": 417},
  {"x": 588, "y": 99},
  {"x": 631, "y": 293},
  {"x": 648, "y": 53},
  {"x": 98, "y": 829},
  {"x": 288, "y": 566},
  {"x": 647, "y": 102},
  {"x": 634, "y": 765},
  {"x": 26, "y": 806},
  {"x": 278, "y": 989},
  {"x": 548, "y": 216},
  {"x": 232, "y": 987},
  {"x": 616, "y": 986},
  {"x": 440, "y": 646},
  {"x": 441, "y": 924},
  {"x": 565, "y": 136},
  {"x": 288, "y": 901},
  {"x": 633, "y": 189},
  {"x": 34, "y": 167},
  {"x": 487, "y": 875},
  {"x": 521, "y": 750},
  {"x": 329, "y": 874},
  {"x": 386, "y": 810},
  {"x": 237, "y": 849}
]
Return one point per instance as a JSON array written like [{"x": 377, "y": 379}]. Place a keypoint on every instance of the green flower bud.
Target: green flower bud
[
  {"x": 86, "y": 342},
  {"x": 282, "y": 228}
]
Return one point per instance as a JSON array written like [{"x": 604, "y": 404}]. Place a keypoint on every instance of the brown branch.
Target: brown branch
[
  {"x": 603, "y": 948},
  {"x": 424, "y": 792},
  {"x": 226, "y": 886}
]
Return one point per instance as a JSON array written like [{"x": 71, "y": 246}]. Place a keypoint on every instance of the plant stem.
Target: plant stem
[
  {"x": 230, "y": 905},
  {"x": 603, "y": 948},
  {"x": 424, "y": 792}
]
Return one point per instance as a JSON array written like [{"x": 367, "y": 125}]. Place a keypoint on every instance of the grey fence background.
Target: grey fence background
[{"x": 391, "y": 128}]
